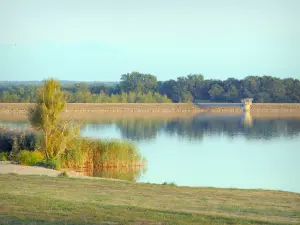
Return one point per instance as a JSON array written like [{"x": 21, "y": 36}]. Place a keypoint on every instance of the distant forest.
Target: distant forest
[{"x": 136, "y": 87}]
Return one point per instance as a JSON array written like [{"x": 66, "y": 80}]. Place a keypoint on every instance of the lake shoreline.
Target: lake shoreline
[
  {"x": 91, "y": 112},
  {"x": 8, "y": 167},
  {"x": 160, "y": 107}
]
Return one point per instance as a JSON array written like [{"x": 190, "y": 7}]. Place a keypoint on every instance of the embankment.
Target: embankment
[
  {"x": 158, "y": 107},
  {"x": 87, "y": 111}
]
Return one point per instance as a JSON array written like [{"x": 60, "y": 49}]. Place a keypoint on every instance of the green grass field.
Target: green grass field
[{"x": 48, "y": 200}]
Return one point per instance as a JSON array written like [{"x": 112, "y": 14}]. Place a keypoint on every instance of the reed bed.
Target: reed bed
[
  {"x": 120, "y": 173},
  {"x": 102, "y": 154}
]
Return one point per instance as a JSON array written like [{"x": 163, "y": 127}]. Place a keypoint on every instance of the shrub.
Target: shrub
[
  {"x": 50, "y": 164},
  {"x": 3, "y": 156},
  {"x": 29, "y": 158},
  {"x": 15, "y": 139},
  {"x": 170, "y": 184}
]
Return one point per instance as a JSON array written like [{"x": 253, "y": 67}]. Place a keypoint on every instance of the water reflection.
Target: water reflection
[
  {"x": 247, "y": 119},
  {"x": 139, "y": 129},
  {"x": 195, "y": 128},
  {"x": 15, "y": 125}
]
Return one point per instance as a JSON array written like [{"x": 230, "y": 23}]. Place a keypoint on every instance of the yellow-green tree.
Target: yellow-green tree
[{"x": 43, "y": 117}]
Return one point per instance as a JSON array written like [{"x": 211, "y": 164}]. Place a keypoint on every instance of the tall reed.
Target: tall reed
[
  {"x": 99, "y": 154},
  {"x": 121, "y": 173}
]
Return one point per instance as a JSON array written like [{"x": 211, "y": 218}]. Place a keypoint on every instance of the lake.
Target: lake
[{"x": 229, "y": 151}]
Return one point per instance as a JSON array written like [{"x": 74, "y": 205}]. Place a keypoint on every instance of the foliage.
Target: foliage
[
  {"x": 50, "y": 102},
  {"x": 121, "y": 173},
  {"x": 115, "y": 153},
  {"x": 138, "y": 83},
  {"x": 61, "y": 141},
  {"x": 216, "y": 92},
  {"x": 50, "y": 164},
  {"x": 75, "y": 156},
  {"x": 80, "y": 152},
  {"x": 95, "y": 154},
  {"x": 262, "y": 89},
  {"x": 123, "y": 97},
  {"x": 29, "y": 158},
  {"x": 17, "y": 93},
  {"x": 17, "y": 140},
  {"x": 4, "y": 156},
  {"x": 105, "y": 158},
  {"x": 43, "y": 117},
  {"x": 137, "y": 87},
  {"x": 170, "y": 184}
]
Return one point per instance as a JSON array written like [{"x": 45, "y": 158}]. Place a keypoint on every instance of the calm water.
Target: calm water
[{"x": 207, "y": 150}]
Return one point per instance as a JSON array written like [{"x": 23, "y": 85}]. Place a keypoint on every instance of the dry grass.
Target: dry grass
[{"x": 36, "y": 200}]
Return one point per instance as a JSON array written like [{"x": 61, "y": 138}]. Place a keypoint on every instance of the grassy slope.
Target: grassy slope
[{"x": 37, "y": 200}]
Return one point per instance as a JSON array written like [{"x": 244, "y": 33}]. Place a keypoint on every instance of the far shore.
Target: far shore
[
  {"x": 88, "y": 111},
  {"x": 160, "y": 107}
]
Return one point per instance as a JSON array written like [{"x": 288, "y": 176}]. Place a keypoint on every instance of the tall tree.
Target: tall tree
[
  {"x": 195, "y": 82},
  {"x": 138, "y": 82},
  {"x": 43, "y": 117},
  {"x": 216, "y": 92}
]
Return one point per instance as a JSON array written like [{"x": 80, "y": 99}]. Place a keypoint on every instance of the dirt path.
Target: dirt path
[{"x": 9, "y": 167}]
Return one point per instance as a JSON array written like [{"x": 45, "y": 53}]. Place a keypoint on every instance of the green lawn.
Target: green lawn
[{"x": 46, "y": 200}]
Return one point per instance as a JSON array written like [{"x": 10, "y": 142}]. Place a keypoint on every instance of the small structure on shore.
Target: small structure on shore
[{"x": 247, "y": 102}]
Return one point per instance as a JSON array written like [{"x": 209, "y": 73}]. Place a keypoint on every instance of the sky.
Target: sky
[{"x": 96, "y": 40}]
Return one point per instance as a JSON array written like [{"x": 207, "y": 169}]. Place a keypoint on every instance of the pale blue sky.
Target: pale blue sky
[{"x": 100, "y": 40}]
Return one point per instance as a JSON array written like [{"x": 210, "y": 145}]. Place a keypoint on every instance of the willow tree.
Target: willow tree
[{"x": 43, "y": 117}]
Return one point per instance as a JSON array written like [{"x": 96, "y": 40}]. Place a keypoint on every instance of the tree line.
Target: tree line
[{"x": 137, "y": 87}]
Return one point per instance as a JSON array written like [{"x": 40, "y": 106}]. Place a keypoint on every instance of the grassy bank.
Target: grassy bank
[{"x": 77, "y": 201}]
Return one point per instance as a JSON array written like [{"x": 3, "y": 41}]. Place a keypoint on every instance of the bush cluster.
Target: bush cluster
[
  {"x": 15, "y": 140},
  {"x": 4, "y": 156},
  {"x": 28, "y": 158}
]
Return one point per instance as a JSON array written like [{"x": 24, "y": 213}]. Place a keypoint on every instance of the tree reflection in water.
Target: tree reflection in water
[{"x": 195, "y": 128}]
